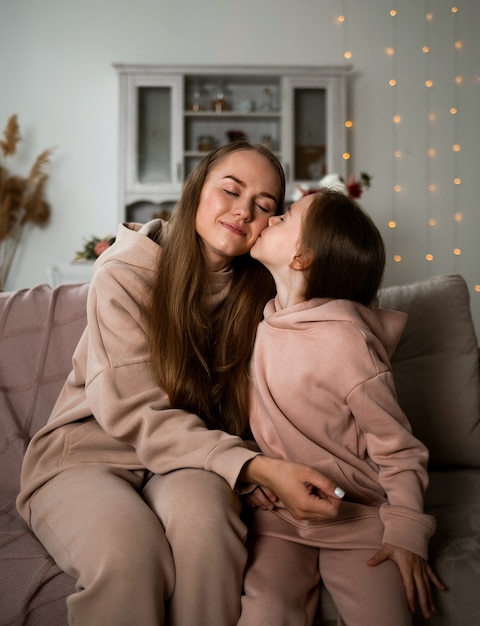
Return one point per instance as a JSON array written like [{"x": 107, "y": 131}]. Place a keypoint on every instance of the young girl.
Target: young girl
[
  {"x": 126, "y": 486},
  {"x": 323, "y": 394}
]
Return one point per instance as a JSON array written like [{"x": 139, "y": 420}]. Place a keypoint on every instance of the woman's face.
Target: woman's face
[
  {"x": 279, "y": 243},
  {"x": 239, "y": 195}
]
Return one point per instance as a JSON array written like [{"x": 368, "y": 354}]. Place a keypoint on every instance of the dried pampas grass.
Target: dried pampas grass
[{"x": 22, "y": 200}]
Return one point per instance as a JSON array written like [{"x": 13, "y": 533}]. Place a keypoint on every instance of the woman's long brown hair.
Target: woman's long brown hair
[{"x": 201, "y": 360}]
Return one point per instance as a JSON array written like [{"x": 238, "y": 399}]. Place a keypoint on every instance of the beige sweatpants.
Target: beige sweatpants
[
  {"x": 170, "y": 551},
  {"x": 287, "y": 561}
]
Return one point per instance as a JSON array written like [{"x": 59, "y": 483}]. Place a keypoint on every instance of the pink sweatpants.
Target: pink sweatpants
[
  {"x": 170, "y": 551},
  {"x": 287, "y": 562}
]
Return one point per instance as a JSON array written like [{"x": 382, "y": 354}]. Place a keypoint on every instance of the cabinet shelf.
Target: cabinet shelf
[{"x": 233, "y": 113}]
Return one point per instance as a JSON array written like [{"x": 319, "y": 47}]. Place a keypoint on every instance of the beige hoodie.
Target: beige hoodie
[
  {"x": 323, "y": 394},
  {"x": 111, "y": 410}
]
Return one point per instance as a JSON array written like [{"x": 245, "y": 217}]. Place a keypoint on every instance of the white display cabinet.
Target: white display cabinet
[{"x": 171, "y": 116}]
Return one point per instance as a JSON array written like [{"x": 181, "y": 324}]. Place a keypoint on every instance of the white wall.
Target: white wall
[{"x": 56, "y": 73}]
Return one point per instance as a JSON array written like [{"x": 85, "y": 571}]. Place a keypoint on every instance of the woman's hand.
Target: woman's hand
[
  {"x": 416, "y": 573},
  {"x": 305, "y": 492}
]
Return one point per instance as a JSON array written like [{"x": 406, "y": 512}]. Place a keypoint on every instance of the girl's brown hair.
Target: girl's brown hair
[
  {"x": 348, "y": 250},
  {"x": 201, "y": 360}
]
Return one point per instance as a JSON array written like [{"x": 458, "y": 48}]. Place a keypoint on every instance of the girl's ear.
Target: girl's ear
[{"x": 302, "y": 260}]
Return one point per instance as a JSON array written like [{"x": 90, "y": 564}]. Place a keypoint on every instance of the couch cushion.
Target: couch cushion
[
  {"x": 39, "y": 329},
  {"x": 452, "y": 497},
  {"x": 33, "y": 588},
  {"x": 436, "y": 367}
]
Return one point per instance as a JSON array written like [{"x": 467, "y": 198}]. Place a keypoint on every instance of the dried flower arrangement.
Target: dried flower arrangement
[{"x": 22, "y": 199}]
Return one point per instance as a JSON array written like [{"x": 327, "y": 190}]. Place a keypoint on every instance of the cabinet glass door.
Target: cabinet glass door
[
  {"x": 309, "y": 133},
  {"x": 155, "y": 133},
  {"x": 154, "y": 138},
  {"x": 314, "y": 128}
]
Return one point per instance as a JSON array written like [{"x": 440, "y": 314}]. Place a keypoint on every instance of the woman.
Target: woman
[
  {"x": 115, "y": 485},
  {"x": 322, "y": 337}
]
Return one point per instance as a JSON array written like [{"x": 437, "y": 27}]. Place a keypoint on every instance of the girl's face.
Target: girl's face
[
  {"x": 239, "y": 195},
  {"x": 279, "y": 244}
]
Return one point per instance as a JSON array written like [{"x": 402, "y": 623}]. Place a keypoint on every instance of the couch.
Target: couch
[{"x": 436, "y": 370}]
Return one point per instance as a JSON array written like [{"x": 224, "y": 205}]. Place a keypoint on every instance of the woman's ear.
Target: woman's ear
[{"x": 302, "y": 260}]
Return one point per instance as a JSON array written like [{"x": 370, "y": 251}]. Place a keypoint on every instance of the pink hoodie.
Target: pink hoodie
[{"x": 323, "y": 394}]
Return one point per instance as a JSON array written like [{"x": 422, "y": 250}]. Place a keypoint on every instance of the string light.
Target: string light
[
  {"x": 343, "y": 21},
  {"x": 391, "y": 52},
  {"x": 430, "y": 152},
  {"x": 347, "y": 55},
  {"x": 458, "y": 81}
]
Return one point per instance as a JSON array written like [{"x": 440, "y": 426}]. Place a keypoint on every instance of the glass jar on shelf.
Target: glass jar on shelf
[
  {"x": 205, "y": 143},
  {"x": 219, "y": 102},
  {"x": 196, "y": 98}
]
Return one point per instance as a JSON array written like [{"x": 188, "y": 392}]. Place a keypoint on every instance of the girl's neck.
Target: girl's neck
[{"x": 290, "y": 293}]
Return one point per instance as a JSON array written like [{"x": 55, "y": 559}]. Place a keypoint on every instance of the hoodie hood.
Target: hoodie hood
[
  {"x": 136, "y": 244},
  {"x": 387, "y": 326}
]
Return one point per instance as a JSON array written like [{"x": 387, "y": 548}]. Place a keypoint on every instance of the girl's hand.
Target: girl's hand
[
  {"x": 416, "y": 573},
  {"x": 262, "y": 498},
  {"x": 305, "y": 492}
]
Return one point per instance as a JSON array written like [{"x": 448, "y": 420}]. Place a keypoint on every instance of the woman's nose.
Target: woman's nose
[{"x": 243, "y": 208}]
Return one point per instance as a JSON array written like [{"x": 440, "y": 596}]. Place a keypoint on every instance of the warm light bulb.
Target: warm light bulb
[
  {"x": 458, "y": 217},
  {"x": 453, "y": 110},
  {"x": 390, "y": 51},
  {"x": 432, "y": 222},
  {"x": 454, "y": 9},
  {"x": 425, "y": 49},
  {"x": 392, "y": 224},
  {"x": 458, "y": 45},
  {"x": 431, "y": 117},
  {"x": 432, "y": 187},
  {"x": 397, "y": 119},
  {"x": 341, "y": 19},
  {"x": 429, "y": 17},
  {"x": 432, "y": 152},
  {"x": 477, "y": 288},
  {"x": 429, "y": 257},
  {"x": 393, "y": 12},
  {"x": 397, "y": 258},
  {"x": 456, "y": 147},
  {"x": 458, "y": 80},
  {"x": 397, "y": 188},
  {"x": 392, "y": 82},
  {"x": 397, "y": 154},
  {"x": 429, "y": 83},
  {"x": 457, "y": 251},
  {"x": 347, "y": 55},
  {"x": 346, "y": 156},
  {"x": 349, "y": 123},
  {"x": 457, "y": 181}
]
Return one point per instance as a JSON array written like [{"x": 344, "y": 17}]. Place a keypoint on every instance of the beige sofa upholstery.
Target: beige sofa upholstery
[{"x": 437, "y": 375}]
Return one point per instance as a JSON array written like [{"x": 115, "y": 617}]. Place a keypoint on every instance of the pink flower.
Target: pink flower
[{"x": 100, "y": 247}]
